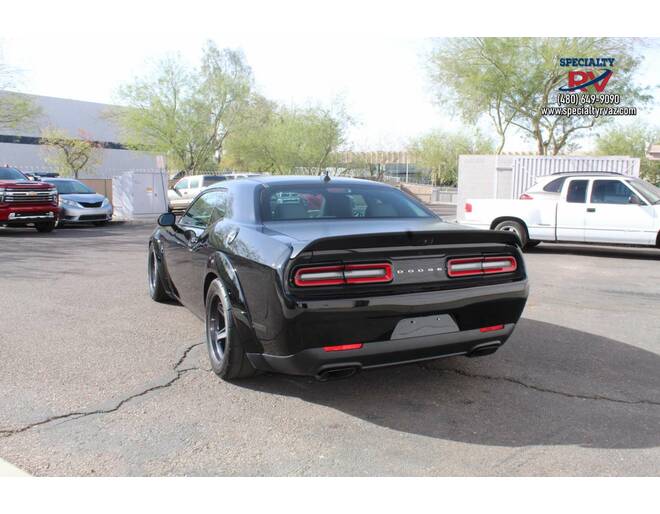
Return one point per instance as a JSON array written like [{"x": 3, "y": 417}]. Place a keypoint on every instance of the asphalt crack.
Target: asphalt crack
[
  {"x": 70, "y": 416},
  {"x": 534, "y": 387}
]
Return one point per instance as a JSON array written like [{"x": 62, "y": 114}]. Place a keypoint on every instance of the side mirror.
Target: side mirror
[{"x": 167, "y": 219}]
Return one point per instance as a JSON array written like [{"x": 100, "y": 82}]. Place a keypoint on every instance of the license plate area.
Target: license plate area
[{"x": 424, "y": 326}]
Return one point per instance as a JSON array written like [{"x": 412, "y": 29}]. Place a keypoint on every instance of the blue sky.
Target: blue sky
[{"x": 379, "y": 75}]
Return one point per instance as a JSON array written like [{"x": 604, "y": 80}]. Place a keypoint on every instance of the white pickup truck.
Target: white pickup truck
[{"x": 605, "y": 208}]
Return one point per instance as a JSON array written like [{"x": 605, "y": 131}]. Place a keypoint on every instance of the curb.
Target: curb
[{"x": 9, "y": 470}]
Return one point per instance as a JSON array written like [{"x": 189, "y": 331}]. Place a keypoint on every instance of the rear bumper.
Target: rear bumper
[
  {"x": 316, "y": 361},
  {"x": 374, "y": 324}
]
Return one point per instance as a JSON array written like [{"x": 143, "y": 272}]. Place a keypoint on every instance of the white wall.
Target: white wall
[{"x": 28, "y": 158}]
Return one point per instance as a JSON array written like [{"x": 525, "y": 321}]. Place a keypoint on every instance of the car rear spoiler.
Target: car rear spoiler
[{"x": 412, "y": 239}]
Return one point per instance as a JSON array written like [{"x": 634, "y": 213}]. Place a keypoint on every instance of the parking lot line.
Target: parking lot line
[{"x": 9, "y": 470}]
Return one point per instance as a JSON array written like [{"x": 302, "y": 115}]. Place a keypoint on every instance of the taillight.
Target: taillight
[
  {"x": 468, "y": 207},
  {"x": 321, "y": 276},
  {"x": 473, "y": 266},
  {"x": 344, "y": 274},
  {"x": 525, "y": 196}
]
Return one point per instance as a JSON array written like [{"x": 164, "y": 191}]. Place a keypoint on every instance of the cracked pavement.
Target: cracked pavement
[{"x": 95, "y": 379}]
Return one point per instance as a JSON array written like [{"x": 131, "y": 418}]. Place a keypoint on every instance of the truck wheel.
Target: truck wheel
[
  {"x": 226, "y": 351},
  {"x": 157, "y": 289},
  {"x": 45, "y": 227},
  {"x": 517, "y": 228}
]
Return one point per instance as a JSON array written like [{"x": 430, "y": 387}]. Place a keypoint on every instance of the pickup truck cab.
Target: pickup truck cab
[
  {"x": 599, "y": 207},
  {"x": 25, "y": 202}
]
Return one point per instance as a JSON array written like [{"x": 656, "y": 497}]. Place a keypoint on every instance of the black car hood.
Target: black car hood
[{"x": 310, "y": 230}]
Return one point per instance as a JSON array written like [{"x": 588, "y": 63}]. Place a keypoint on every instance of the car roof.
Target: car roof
[
  {"x": 588, "y": 173},
  {"x": 291, "y": 180}
]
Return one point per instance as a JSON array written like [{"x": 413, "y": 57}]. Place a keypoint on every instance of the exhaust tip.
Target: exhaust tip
[
  {"x": 337, "y": 373},
  {"x": 484, "y": 349}
]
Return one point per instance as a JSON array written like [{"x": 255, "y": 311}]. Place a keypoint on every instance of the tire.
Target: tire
[
  {"x": 226, "y": 351},
  {"x": 155, "y": 278},
  {"x": 45, "y": 227},
  {"x": 517, "y": 228}
]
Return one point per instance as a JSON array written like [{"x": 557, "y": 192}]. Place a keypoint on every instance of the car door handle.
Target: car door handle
[{"x": 591, "y": 209}]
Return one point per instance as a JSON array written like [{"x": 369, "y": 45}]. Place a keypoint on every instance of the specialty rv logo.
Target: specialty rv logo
[{"x": 581, "y": 79}]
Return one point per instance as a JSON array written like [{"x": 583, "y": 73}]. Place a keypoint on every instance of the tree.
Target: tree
[
  {"x": 284, "y": 140},
  {"x": 438, "y": 153},
  {"x": 632, "y": 140},
  {"x": 512, "y": 80},
  {"x": 187, "y": 113},
  {"x": 16, "y": 110},
  {"x": 68, "y": 154}
]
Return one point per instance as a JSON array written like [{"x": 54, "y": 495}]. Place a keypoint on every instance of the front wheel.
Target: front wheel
[
  {"x": 45, "y": 227},
  {"x": 517, "y": 228},
  {"x": 226, "y": 351}
]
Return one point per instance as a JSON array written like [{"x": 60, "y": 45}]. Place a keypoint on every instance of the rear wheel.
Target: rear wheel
[
  {"x": 156, "y": 278},
  {"x": 45, "y": 227},
  {"x": 226, "y": 351},
  {"x": 517, "y": 228}
]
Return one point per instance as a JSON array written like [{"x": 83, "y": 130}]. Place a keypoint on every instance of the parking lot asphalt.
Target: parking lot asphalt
[{"x": 96, "y": 379}]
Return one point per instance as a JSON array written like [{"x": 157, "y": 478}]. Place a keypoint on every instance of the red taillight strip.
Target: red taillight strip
[
  {"x": 319, "y": 276},
  {"x": 463, "y": 267},
  {"x": 342, "y": 347},
  {"x": 499, "y": 265},
  {"x": 474, "y": 266},
  {"x": 367, "y": 273},
  {"x": 345, "y": 274}
]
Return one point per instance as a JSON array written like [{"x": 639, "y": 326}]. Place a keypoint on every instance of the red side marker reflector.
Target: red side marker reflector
[
  {"x": 342, "y": 347},
  {"x": 525, "y": 196},
  {"x": 468, "y": 207},
  {"x": 492, "y": 328}
]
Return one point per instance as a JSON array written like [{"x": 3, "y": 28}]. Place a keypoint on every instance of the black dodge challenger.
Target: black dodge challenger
[{"x": 325, "y": 277}]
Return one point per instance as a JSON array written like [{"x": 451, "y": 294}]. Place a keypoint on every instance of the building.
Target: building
[{"x": 23, "y": 148}]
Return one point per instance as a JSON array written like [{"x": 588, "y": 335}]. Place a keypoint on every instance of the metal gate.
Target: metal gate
[{"x": 527, "y": 170}]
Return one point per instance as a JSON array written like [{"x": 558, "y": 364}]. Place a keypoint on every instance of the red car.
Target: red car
[{"x": 25, "y": 202}]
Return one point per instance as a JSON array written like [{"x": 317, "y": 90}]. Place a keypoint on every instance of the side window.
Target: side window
[
  {"x": 208, "y": 207},
  {"x": 182, "y": 184},
  {"x": 195, "y": 182},
  {"x": 612, "y": 192},
  {"x": 577, "y": 191},
  {"x": 208, "y": 180},
  {"x": 554, "y": 186}
]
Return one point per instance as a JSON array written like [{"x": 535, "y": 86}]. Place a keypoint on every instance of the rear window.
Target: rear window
[
  {"x": 554, "y": 186},
  {"x": 213, "y": 180},
  {"x": 328, "y": 202}
]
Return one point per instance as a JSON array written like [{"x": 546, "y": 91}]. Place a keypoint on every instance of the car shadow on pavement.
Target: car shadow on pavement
[
  {"x": 549, "y": 385},
  {"x": 620, "y": 252}
]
